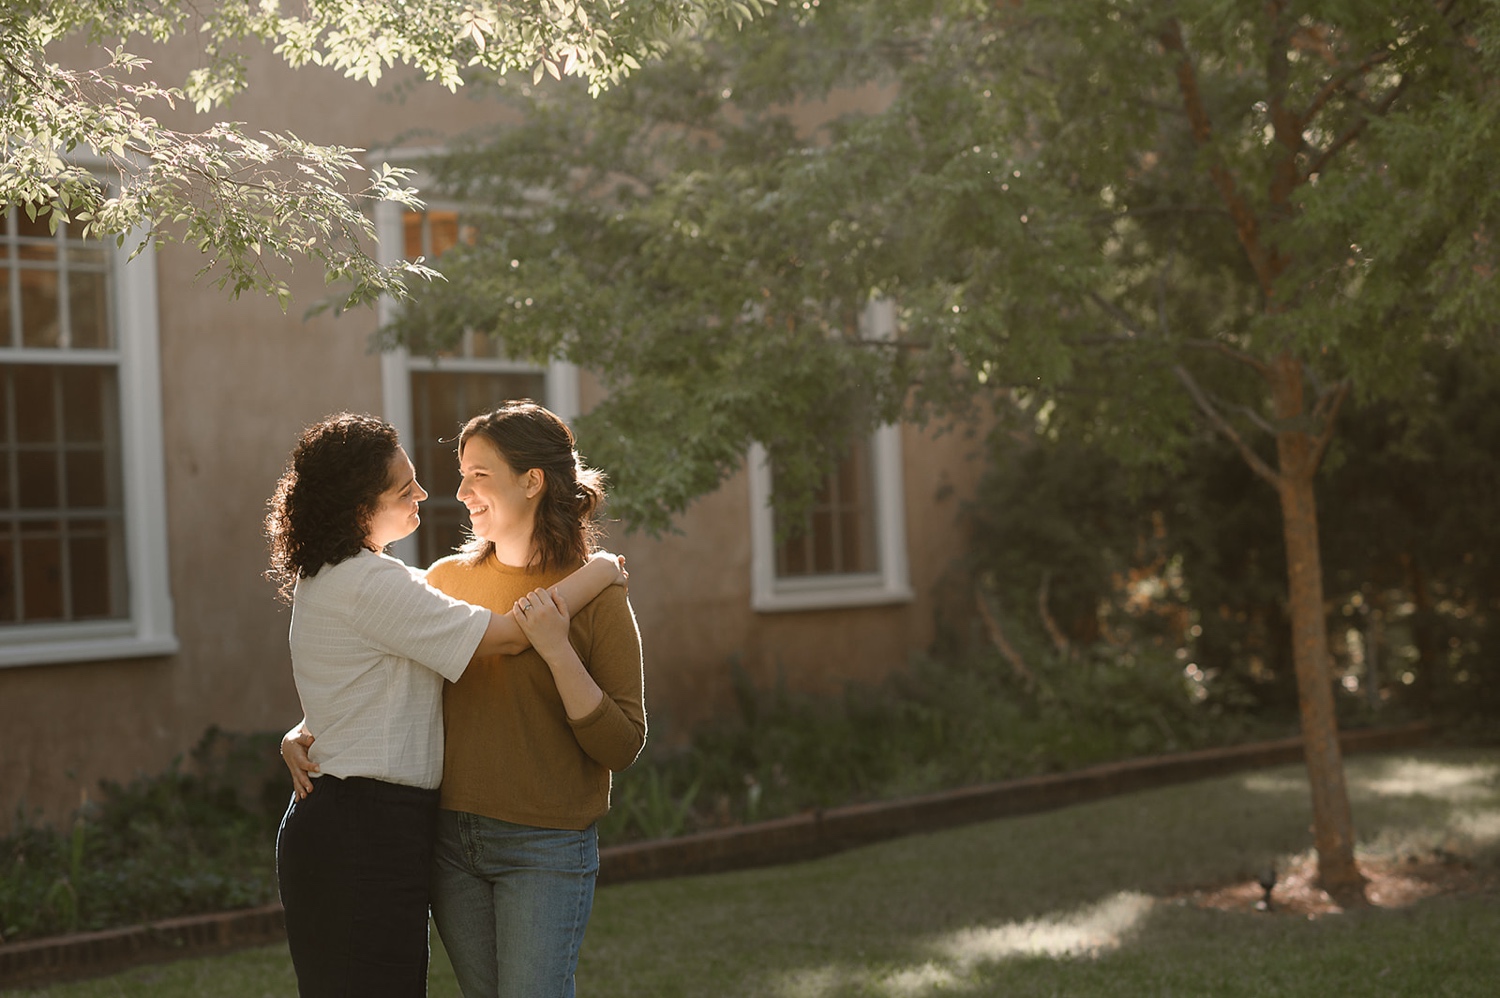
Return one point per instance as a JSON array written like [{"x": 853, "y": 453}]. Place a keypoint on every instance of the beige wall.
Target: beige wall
[
  {"x": 239, "y": 380},
  {"x": 691, "y": 593}
]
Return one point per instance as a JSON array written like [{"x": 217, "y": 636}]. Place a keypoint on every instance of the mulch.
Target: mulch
[{"x": 1391, "y": 882}]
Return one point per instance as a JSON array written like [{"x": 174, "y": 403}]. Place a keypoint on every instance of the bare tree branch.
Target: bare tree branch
[
  {"x": 1239, "y": 356},
  {"x": 1326, "y": 411},
  {"x": 1221, "y": 424}
]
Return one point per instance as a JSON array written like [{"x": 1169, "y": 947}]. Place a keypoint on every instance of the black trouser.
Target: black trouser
[{"x": 354, "y": 861}]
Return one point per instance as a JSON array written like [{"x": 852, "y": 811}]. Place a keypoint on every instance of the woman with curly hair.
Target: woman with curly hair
[{"x": 372, "y": 644}]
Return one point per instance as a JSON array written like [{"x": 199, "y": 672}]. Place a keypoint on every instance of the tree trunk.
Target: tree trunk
[{"x": 1333, "y": 824}]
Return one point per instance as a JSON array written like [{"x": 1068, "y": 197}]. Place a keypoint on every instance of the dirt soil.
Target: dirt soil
[{"x": 1392, "y": 883}]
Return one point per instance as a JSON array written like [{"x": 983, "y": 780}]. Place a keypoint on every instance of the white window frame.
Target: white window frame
[
  {"x": 397, "y": 364},
  {"x": 149, "y": 629},
  {"x": 891, "y": 582}
]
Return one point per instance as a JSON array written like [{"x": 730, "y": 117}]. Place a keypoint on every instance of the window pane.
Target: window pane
[
  {"x": 485, "y": 345},
  {"x": 41, "y": 571},
  {"x": 411, "y": 234},
  {"x": 40, "y": 316},
  {"x": 35, "y": 404},
  {"x": 7, "y": 338},
  {"x": 38, "y": 479},
  {"x": 86, "y": 487},
  {"x": 88, "y": 320},
  {"x": 39, "y": 228},
  {"x": 88, "y": 561},
  {"x": 444, "y": 231},
  {"x": 86, "y": 392},
  {"x": 8, "y": 566}
]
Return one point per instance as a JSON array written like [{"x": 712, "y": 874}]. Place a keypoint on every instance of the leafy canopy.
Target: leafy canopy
[
  {"x": 1110, "y": 216},
  {"x": 251, "y": 201}
]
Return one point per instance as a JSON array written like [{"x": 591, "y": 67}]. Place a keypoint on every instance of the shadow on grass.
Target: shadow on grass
[{"x": 1097, "y": 899}]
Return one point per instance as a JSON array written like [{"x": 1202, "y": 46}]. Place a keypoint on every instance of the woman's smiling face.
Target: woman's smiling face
[
  {"x": 498, "y": 498},
  {"x": 397, "y": 515}
]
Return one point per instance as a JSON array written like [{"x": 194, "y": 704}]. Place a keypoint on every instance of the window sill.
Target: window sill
[
  {"x": 59, "y": 644},
  {"x": 829, "y": 594}
]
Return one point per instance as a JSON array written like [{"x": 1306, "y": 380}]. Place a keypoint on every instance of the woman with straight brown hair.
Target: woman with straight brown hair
[{"x": 532, "y": 738}]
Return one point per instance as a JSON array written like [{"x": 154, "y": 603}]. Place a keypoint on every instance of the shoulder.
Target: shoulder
[{"x": 447, "y": 568}]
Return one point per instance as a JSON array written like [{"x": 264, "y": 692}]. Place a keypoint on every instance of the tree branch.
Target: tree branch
[
  {"x": 1326, "y": 411},
  {"x": 1246, "y": 225},
  {"x": 1253, "y": 459},
  {"x": 1354, "y": 131},
  {"x": 1249, "y": 360},
  {"x": 1117, "y": 313},
  {"x": 1339, "y": 81}
]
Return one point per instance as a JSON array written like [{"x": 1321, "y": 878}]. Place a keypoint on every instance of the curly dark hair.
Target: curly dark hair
[
  {"x": 530, "y": 436},
  {"x": 322, "y": 507}
]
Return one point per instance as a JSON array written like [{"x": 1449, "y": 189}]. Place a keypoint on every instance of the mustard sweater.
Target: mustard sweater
[{"x": 510, "y": 751}]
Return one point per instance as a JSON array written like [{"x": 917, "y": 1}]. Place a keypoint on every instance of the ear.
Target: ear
[{"x": 536, "y": 481}]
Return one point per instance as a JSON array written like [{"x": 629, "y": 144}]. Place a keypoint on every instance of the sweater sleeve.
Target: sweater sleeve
[{"x": 614, "y": 733}]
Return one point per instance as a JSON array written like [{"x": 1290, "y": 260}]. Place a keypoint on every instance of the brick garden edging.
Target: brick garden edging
[{"x": 786, "y": 840}]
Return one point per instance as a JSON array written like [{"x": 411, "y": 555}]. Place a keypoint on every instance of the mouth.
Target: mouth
[{"x": 477, "y": 511}]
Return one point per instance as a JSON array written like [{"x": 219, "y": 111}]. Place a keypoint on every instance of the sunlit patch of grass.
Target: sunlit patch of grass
[
  {"x": 1450, "y": 781},
  {"x": 1088, "y": 932}
]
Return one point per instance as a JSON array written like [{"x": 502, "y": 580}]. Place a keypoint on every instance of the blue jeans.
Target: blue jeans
[{"x": 511, "y": 903}]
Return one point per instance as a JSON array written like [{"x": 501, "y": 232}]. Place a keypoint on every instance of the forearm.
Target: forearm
[
  {"x": 504, "y": 635},
  {"x": 580, "y": 694},
  {"x": 581, "y": 586}
]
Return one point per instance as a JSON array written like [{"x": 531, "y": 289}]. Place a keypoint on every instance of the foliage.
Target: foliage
[
  {"x": 1131, "y": 218},
  {"x": 1082, "y": 547},
  {"x": 250, "y": 201},
  {"x": 938, "y": 725},
  {"x": 196, "y": 838},
  {"x": 1114, "y": 216}
]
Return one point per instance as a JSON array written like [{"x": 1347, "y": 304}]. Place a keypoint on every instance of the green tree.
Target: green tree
[
  {"x": 251, "y": 201},
  {"x": 1128, "y": 220}
]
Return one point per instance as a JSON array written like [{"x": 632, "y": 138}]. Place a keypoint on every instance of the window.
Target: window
[
  {"x": 850, "y": 548},
  {"x": 82, "y": 530},
  {"x": 430, "y": 398}
]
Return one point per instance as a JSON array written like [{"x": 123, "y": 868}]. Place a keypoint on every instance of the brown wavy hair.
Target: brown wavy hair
[
  {"x": 321, "y": 510},
  {"x": 528, "y": 436}
]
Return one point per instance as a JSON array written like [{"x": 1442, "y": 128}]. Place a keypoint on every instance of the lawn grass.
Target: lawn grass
[{"x": 1076, "y": 902}]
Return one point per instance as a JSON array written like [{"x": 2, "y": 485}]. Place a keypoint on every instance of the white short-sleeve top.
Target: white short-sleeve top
[{"x": 371, "y": 644}]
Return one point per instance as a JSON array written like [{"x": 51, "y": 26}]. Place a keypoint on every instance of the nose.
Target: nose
[
  {"x": 421, "y": 493},
  {"x": 463, "y": 488}
]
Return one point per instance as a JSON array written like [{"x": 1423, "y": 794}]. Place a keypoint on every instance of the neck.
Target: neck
[{"x": 514, "y": 549}]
